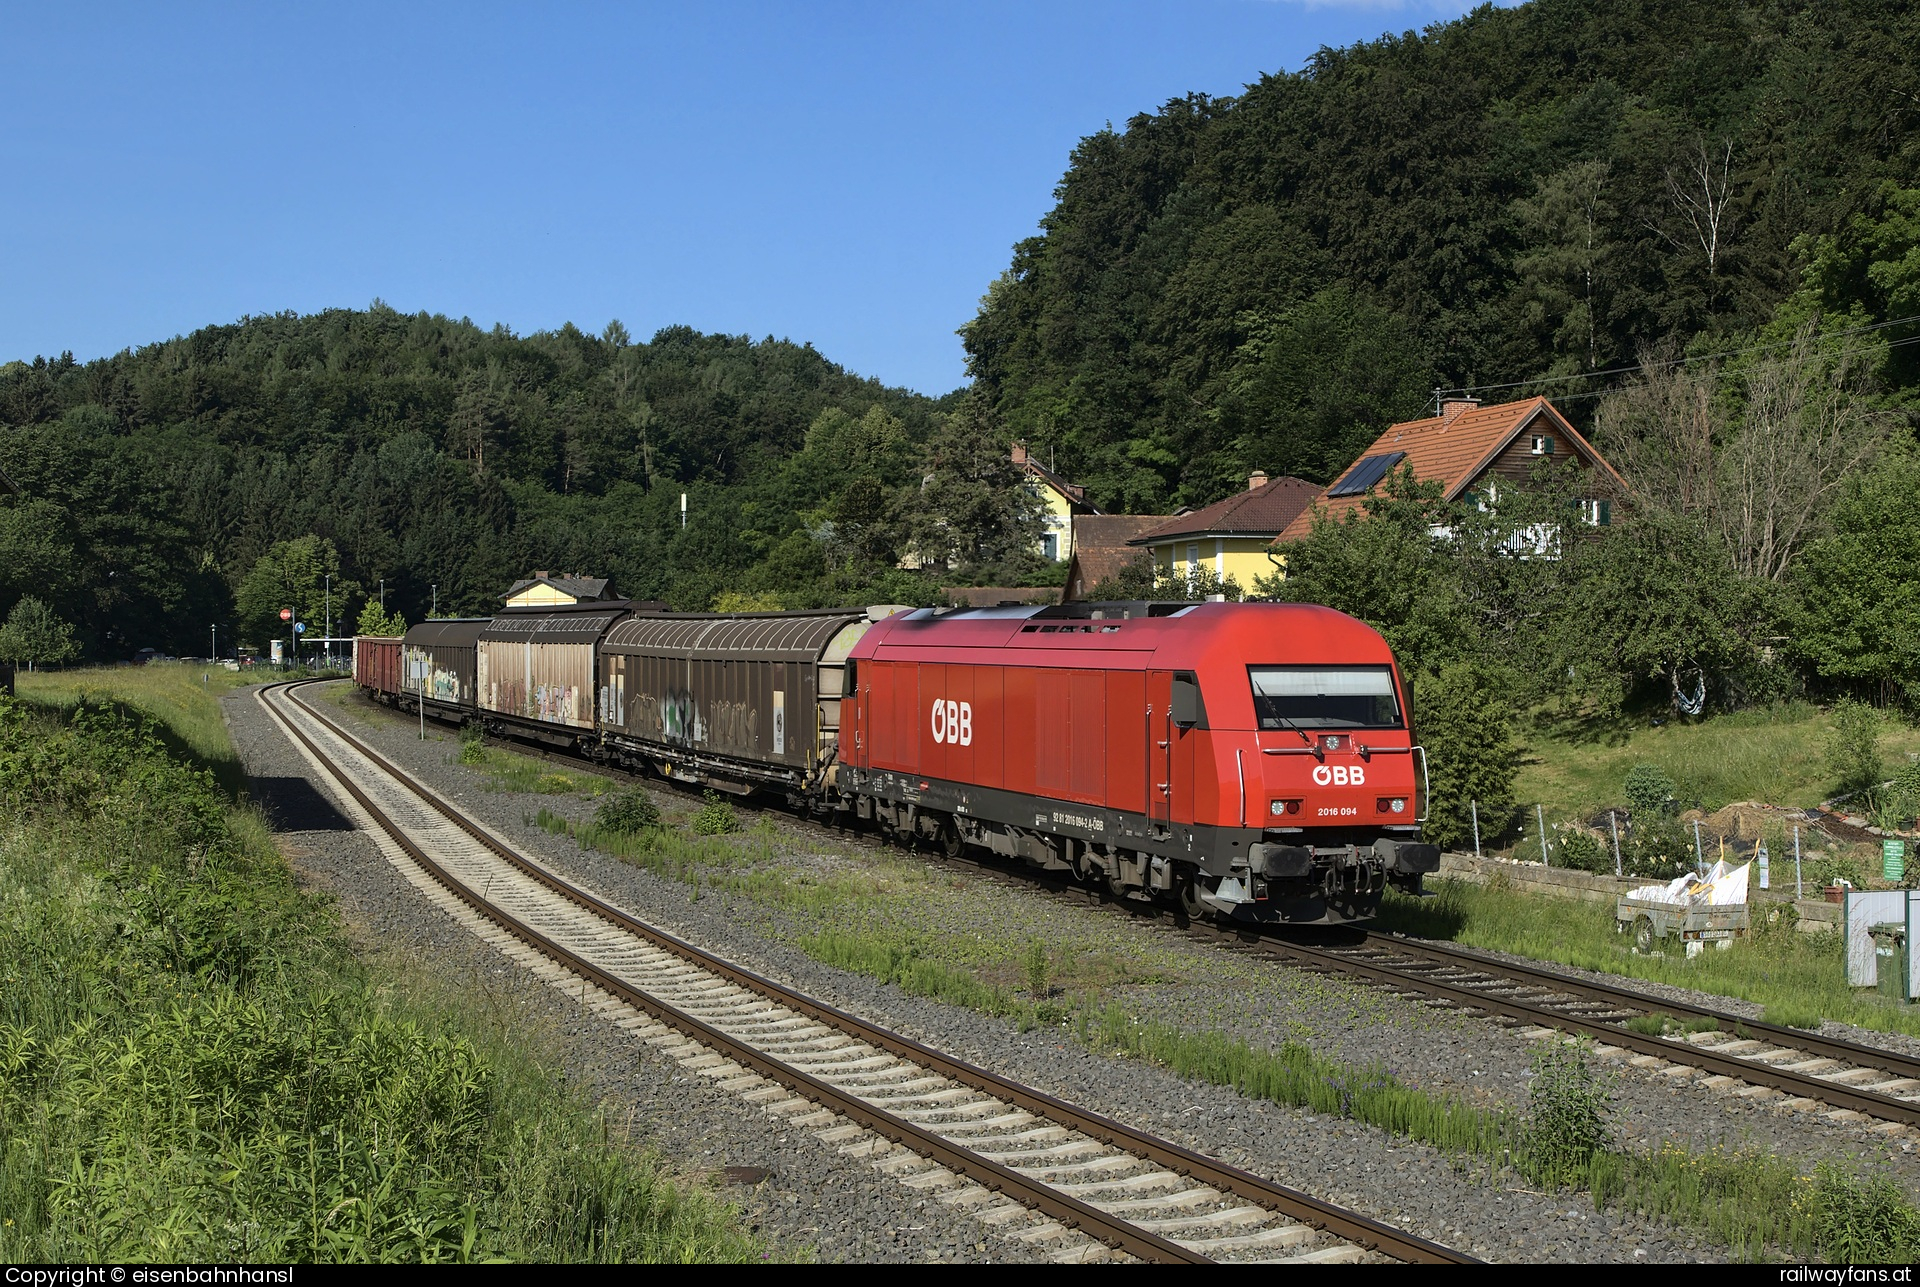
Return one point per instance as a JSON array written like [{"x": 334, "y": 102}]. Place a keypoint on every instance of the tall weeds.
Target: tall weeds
[{"x": 193, "y": 1068}]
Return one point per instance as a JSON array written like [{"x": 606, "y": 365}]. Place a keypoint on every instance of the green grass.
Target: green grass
[
  {"x": 193, "y": 1067},
  {"x": 1773, "y": 754},
  {"x": 1794, "y": 974},
  {"x": 183, "y": 699},
  {"x": 511, "y": 771},
  {"x": 1294, "y": 1074}
]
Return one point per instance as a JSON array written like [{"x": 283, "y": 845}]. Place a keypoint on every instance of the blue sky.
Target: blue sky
[{"x": 847, "y": 174}]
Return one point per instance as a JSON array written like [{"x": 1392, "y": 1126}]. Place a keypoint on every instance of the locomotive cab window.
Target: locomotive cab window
[{"x": 1324, "y": 697}]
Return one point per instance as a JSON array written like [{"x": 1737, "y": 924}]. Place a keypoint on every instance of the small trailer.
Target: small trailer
[{"x": 1695, "y": 924}]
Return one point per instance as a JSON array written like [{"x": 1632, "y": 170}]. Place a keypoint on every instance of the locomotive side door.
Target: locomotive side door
[{"x": 1160, "y": 734}]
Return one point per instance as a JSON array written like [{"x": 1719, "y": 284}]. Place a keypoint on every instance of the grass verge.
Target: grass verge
[
  {"x": 1754, "y": 1204},
  {"x": 1800, "y": 977},
  {"x": 194, "y": 1068},
  {"x": 1776, "y": 754}
]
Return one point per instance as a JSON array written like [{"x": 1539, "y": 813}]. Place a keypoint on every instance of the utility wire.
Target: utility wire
[
  {"x": 1601, "y": 393},
  {"x": 1680, "y": 361}
]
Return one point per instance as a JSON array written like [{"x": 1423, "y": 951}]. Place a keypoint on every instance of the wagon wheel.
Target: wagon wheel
[{"x": 1643, "y": 934}]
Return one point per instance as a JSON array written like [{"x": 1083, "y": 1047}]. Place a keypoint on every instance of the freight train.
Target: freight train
[{"x": 1249, "y": 761}]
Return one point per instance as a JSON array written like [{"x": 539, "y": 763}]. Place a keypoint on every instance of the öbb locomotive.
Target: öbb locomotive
[{"x": 1255, "y": 762}]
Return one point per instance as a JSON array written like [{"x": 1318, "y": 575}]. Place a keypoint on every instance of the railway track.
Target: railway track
[
  {"x": 1074, "y": 1183},
  {"x": 1814, "y": 1070},
  {"x": 1802, "y": 1070}
]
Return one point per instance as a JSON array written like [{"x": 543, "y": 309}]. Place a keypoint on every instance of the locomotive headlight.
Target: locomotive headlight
[{"x": 1399, "y": 806}]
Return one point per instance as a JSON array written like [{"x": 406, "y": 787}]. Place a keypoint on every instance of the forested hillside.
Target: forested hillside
[
  {"x": 1266, "y": 281},
  {"x": 431, "y": 453}
]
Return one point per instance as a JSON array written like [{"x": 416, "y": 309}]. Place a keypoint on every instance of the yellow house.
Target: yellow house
[
  {"x": 1062, "y": 501},
  {"x": 545, "y": 589},
  {"x": 1229, "y": 538}
]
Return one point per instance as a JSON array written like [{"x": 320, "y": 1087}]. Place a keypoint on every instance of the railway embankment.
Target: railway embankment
[
  {"x": 196, "y": 1066},
  {"x": 774, "y": 896}
]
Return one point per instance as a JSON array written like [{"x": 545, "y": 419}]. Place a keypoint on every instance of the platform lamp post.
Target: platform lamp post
[{"x": 328, "y": 613}]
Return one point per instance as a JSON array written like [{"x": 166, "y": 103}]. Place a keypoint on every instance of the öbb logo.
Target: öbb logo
[
  {"x": 953, "y": 722},
  {"x": 1339, "y": 775}
]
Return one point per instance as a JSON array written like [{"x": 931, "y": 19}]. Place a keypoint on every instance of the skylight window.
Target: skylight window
[{"x": 1365, "y": 474}]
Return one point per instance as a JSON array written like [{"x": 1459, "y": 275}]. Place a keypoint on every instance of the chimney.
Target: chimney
[
  {"x": 1019, "y": 453},
  {"x": 542, "y": 575},
  {"x": 1256, "y": 480},
  {"x": 1452, "y": 408}
]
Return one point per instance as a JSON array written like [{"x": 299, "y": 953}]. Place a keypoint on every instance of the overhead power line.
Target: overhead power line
[
  {"x": 1601, "y": 393},
  {"x": 1681, "y": 361}
]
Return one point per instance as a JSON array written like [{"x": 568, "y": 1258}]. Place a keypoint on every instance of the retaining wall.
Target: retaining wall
[{"x": 1561, "y": 882}]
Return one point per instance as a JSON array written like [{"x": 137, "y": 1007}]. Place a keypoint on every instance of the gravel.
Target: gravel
[
  {"x": 846, "y": 1211},
  {"x": 813, "y": 1197}
]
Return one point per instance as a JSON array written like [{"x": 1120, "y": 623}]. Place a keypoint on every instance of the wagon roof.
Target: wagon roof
[
  {"x": 800, "y": 636},
  {"x": 577, "y": 623},
  {"x": 460, "y": 632}
]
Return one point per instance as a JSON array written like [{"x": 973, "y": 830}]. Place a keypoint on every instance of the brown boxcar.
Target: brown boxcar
[
  {"x": 536, "y": 667},
  {"x": 439, "y": 657},
  {"x": 737, "y": 701},
  {"x": 376, "y": 664}
]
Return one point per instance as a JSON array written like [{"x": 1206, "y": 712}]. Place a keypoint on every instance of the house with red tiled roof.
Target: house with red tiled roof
[
  {"x": 1230, "y": 537},
  {"x": 1100, "y": 549},
  {"x": 1469, "y": 449}
]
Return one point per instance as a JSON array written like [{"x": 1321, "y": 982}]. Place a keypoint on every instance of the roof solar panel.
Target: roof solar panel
[{"x": 1365, "y": 474}]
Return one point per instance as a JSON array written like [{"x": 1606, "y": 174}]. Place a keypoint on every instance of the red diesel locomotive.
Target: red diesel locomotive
[{"x": 1254, "y": 760}]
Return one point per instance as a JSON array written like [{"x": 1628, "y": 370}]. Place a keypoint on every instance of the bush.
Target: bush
[
  {"x": 1649, "y": 791},
  {"x": 1659, "y": 847},
  {"x": 1853, "y": 745},
  {"x": 1468, "y": 732},
  {"x": 1567, "y": 1107},
  {"x": 472, "y": 750},
  {"x": 628, "y": 813},
  {"x": 1582, "y": 850},
  {"x": 1905, "y": 795},
  {"x": 716, "y": 817}
]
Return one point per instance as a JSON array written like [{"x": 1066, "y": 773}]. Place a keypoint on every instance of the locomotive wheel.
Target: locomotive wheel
[
  {"x": 1190, "y": 903},
  {"x": 951, "y": 844}
]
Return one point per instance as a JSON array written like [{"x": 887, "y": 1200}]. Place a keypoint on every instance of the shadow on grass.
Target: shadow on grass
[
  {"x": 1434, "y": 916},
  {"x": 1587, "y": 727}
]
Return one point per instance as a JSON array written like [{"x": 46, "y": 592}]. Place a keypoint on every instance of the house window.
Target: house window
[
  {"x": 1596, "y": 513},
  {"x": 1542, "y": 444},
  {"x": 1193, "y": 560},
  {"x": 1050, "y": 546}
]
